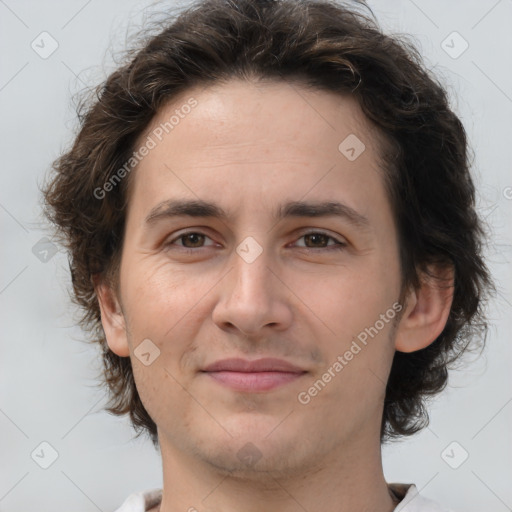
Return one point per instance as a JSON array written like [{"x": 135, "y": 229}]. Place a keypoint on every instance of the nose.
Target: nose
[{"x": 253, "y": 298}]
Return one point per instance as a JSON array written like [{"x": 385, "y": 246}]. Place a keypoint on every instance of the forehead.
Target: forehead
[
  {"x": 257, "y": 139},
  {"x": 267, "y": 112}
]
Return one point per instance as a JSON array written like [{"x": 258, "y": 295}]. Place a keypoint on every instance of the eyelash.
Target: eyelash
[{"x": 339, "y": 245}]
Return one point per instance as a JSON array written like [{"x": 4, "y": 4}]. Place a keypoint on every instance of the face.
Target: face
[{"x": 273, "y": 278}]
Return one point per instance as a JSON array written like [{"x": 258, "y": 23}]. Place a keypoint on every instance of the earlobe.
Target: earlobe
[
  {"x": 112, "y": 317},
  {"x": 426, "y": 311}
]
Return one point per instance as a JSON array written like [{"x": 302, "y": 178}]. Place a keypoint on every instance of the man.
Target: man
[{"x": 273, "y": 237}]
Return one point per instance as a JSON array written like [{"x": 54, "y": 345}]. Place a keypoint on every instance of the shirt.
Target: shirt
[{"x": 411, "y": 501}]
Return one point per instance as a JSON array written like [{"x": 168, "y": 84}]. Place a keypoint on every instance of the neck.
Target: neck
[{"x": 348, "y": 478}]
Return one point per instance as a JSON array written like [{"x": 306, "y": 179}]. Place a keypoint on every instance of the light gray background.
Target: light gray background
[{"x": 47, "y": 375}]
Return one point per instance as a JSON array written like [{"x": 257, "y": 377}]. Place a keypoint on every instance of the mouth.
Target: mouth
[
  {"x": 253, "y": 376},
  {"x": 254, "y": 381}
]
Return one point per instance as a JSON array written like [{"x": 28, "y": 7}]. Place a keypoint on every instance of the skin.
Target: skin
[{"x": 249, "y": 147}]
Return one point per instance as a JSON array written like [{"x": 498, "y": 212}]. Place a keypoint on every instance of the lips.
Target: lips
[
  {"x": 260, "y": 365},
  {"x": 253, "y": 376}
]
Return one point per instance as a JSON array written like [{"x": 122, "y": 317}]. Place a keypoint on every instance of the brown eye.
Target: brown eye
[
  {"x": 189, "y": 241},
  {"x": 318, "y": 240},
  {"x": 194, "y": 239}
]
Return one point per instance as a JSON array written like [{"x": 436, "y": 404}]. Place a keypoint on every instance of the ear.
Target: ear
[
  {"x": 426, "y": 311},
  {"x": 112, "y": 317}
]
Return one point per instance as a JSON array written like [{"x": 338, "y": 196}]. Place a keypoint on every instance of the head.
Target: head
[{"x": 257, "y": 107}]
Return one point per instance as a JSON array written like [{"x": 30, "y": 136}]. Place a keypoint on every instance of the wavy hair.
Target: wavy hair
[{"x": 321, "y": 44}]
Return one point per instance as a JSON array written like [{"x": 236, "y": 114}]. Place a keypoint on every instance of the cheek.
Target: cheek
[
  {"x": 152, "y": 288},
  {"x": 350, "y": 306},
  {"x": 156, "y": 299},
  {"x": 351, "y": 299},
  {"x": 160, "y": 393},
  {"x": 159, "y": 307}
]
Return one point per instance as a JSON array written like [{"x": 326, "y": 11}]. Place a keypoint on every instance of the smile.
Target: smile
[{"x": 253, "y": 381}]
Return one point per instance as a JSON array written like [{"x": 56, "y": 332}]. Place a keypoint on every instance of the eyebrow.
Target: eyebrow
[{"x": 199, "y": 208}]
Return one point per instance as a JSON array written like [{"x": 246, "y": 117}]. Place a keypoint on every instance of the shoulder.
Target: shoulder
[
  {"x": 413, "y": 501},
  {"x": 141, "y": 501}
]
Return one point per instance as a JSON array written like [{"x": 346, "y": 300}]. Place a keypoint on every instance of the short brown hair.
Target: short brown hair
[{"x": 323, "y": 45}]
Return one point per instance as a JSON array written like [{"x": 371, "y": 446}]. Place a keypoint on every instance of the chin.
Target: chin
[
  {"x": 260, "y": 468},
  {"x": 255, "y": 454}
]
